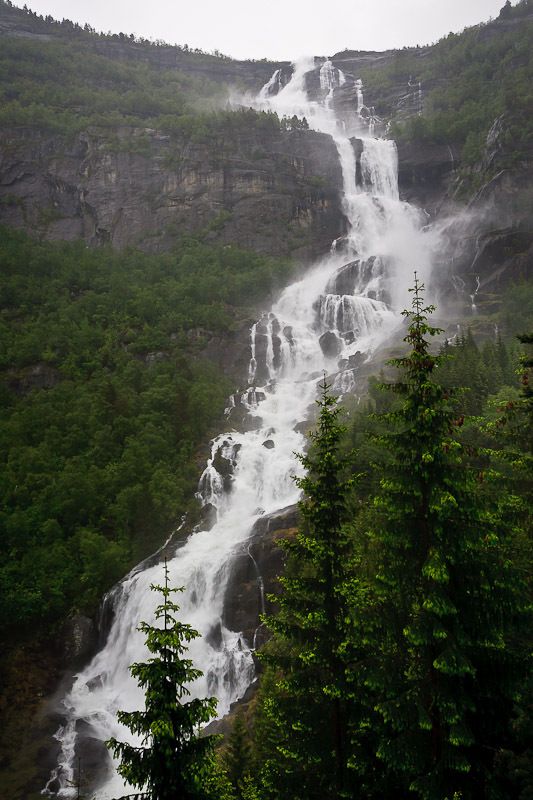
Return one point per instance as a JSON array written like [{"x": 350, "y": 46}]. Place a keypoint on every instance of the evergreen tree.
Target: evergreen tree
[
  {"x": 526, "y": 405},
  {"x": 446, "y": 601},
  {"x": 173, "y": 762},
  {"x": 303, "y": 710},
  {"x": 492, "y": 357},
  {"x": 237, "y": 757},
  {"x": 506, "y": 10},
  {"x": 505, "y": 362}
]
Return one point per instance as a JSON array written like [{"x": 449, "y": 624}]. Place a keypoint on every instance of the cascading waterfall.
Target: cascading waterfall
[
  {"x": 330, "y": 79},
  {"x": 379, "y": 167},
  {"x": 273, "y": 85},
  {"x": 359, "y": 92},
  {"x": 331, "y": 320}
]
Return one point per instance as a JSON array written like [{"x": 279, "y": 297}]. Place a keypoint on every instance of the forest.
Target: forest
[{"x": 99, "y": 453}]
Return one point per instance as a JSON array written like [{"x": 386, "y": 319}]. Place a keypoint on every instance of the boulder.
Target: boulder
[
  {"x": 92, "y": 758},
  {"x": 222, "y": 464},
  {"x": 255, "y": 571},
  {"x": 355, "y": 360},
  {"x": 209, "y": 516},
  {"x": 345, "y": 279},
  {"x": 330, "y": 344}
]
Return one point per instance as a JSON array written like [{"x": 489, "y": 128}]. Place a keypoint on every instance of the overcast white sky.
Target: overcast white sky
[{"x": 277, "y": 29}]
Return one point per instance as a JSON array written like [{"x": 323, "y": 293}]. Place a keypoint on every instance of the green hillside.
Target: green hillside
[
  {"x": 105, "y": 398},
  {"x": 468, "y": 80}
]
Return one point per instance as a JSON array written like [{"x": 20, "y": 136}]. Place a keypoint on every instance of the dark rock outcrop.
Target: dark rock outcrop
[
  {"x": 37, "y": 376},
  {"x": 255, "y": 571},
  {"x": 489, "y": 245},
  {"x": 208, "y": 517},
  {"x": 223, "y": 465},
  {"x": 80, "y": 639},
  {"x": 330, "y": 344},
  {"x": 95, "y": 760},
  {"x": 425, "y": 172}
]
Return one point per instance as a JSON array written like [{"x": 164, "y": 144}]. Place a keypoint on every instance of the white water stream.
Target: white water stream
[{"x": 353, "y": 296}]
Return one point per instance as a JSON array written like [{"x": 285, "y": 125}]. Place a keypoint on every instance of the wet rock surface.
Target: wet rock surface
[
  {"x": 80, "y": 638},
  {"x": 255, "y": 571},
  {"x": 94, "y": 758},
  {"x": 425, "y": 173},
  {"x": 37, "y": 376},
  {"x": 330, "y": 344},
  {"x": 490, "y": 245},
  {"x": 37, "y": 674}
]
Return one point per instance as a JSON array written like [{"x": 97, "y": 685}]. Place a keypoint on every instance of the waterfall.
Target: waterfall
[
  {"x": 272, "y": 86},
  {"x": 379, "y": 166},
  {"x": 330, "y": 79},
  {"x": 359, "y": 90},
  {"x": 332, "y": 319}
]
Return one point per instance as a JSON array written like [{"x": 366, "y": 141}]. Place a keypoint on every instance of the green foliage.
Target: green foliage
[
  {"x": 100, "y": 90},
  {"x": 237, "y": 758},
  {"x": 517, "y": 308},
  {"x": 304, "y": 692},
  {"x": 478, "y": 373},
  {"x": 105, "y": 396},
  {"x": 472, "y": 78},
  {"x": 294, "y": 123},
  {"x": 172, "y": 760},
  {"x": 421, "y": 651},
  {"x": 110, "y": 90},
  {"x": 443, "y": 669}
]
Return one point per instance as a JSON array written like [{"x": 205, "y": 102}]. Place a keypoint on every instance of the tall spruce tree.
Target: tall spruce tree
[
  {"x": 440, "y": 668},
  {"x": 173, "y": 762},
  {"x": 303, "y": 708},
  {"x": 237, "y": 756},
  {"x": 526, "y": 405}
]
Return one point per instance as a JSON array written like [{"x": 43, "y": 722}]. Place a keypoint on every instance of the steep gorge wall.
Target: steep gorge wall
[{"x": 272, "y": 191}]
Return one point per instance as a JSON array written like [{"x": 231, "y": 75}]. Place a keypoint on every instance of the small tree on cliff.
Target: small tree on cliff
[
  {"x": 506, "y": 11},
  {"x": 173, "y": 762}
]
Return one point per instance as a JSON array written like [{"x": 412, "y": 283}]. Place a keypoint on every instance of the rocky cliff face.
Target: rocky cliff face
[
  {"x": 275, "y": 192},
  {"x": 487, "y": 233},
  {"x": 255, "y": 186}
]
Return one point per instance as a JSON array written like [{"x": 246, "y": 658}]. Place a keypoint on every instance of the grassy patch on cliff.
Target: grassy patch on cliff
[{"x": 105, "y": 399}]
